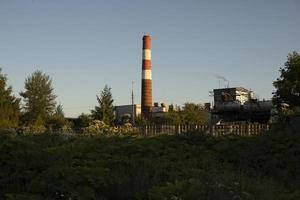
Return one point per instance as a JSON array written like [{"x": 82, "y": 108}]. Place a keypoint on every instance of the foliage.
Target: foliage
[
  {"x": 141, "y": 121},
  {"x": 194, "y": 114},
  {"x": 105, "y": 110},
  {"x": 288, "y": 84},
  {"x": 82, "y": 121},
  {"x": 192, "y": 166},
  {"x": 97, "y": 127},
  {"x": 9, "y": 105},
  {"x": 173, "y": 117},
  {"x": 39, "y": 99},
  {"x": 57, "y": 121},
  {"x": 32, "y": 130},
  {"x": 59, "y": 111},
  {"x": 204, "y": 187}
]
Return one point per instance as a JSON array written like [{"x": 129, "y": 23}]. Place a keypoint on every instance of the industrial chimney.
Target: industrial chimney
[{"x": 146, "y": 77}]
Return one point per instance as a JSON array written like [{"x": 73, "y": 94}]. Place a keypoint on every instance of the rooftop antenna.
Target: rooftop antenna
[
  {"x": 227, "y": 84},
  {"x": 222, "y": 78}
]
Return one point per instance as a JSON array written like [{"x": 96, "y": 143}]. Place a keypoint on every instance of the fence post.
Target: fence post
[{"x": 248, "y": 129}]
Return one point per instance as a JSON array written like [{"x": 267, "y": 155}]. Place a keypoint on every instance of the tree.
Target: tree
[
  {"x": 142, "y": 121},
  {"x": 173, "y": 117},
  {"x": 288, "y": 84},
  {"x": 9, "y": 105},
  {"x": 194, "y": 114},
  {"x": 59, "y": 111},
  {"x": 39, "y": 98},
  {"x": 57, "y": 120},
  {"x": 83, "y": 120},
  {"x": 105, "y": 110}
]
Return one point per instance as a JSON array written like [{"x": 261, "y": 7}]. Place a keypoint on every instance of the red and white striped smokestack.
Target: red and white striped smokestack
[{"x": 146, "y": 77}]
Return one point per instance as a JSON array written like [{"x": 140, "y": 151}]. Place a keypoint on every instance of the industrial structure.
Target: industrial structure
[
  {"x": 159, "y": 110},
  {"x": 145, "y": 109},
  {"x": 230, "y": 104},
  {"x": 127, "y": 112},
  {"x": 239, "y": 104},
  {"x": 146, "y": 95}
]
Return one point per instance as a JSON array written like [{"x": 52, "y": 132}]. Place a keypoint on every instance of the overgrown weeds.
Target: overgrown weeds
[{"x": 190, "y": 166}]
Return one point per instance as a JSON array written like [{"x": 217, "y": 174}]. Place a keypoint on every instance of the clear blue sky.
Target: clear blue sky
[{"x": 85, "y": 44}]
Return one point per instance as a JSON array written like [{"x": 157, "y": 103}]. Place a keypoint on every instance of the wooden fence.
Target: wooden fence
[
  {"x": 241, "y": 129},
  {"x": 214, "y": 130}
]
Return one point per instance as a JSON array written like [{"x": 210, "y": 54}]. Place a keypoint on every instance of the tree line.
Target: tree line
[
  {"x": 37, "y": 107},
  {"x": 40, "y": 109}
]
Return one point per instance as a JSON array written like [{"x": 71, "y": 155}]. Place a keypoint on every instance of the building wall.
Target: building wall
[
  {"x": 231, "y": 94},
  {"x": 242, "y": 96},
  {"x": 127, "y": 110}
]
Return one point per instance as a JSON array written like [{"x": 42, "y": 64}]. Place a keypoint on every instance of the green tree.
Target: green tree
[
  {"x": 194, "y": 114},
  {"x": 83, "y": 121},
  {"x": 142, "y": 121},
  {"x": 38, "y": 98},
  {"x": 173, "y": 117},
  {"x": 105, "y": 110},
  {"x": 59, "y": 111},
  {"x": 288, "y": 84},
  {"x": 57, "y": 120},
  {"x": 9, "y": 105}
]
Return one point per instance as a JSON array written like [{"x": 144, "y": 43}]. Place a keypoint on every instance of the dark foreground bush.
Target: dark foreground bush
[{"x": 191, "y": 166}]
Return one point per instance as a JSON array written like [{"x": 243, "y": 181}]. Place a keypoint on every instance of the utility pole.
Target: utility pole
[{"x": 132, "y": 102}]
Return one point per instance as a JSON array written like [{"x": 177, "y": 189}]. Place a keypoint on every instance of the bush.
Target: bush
[
  {"x": 192, "y": 166},
  {"x": 32, "y": 130}
]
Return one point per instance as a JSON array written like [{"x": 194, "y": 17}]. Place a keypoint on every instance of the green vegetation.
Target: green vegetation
[
  {"x": 39, "y": 99},
  {"x": 190, "y": 114},
  {"x": 103, "y": 163},
  {"x": 288, "y": 84},
  {"x": 83, "y": 121},
  {"x": 194, "y": 114},
  {"x": 192, "y": 166},
  {"x": 9, "y": 105},
  {"x": 105, "y": 110}
]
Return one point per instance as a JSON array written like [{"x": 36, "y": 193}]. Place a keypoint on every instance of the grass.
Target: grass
[{"x": 191, "y": 166}]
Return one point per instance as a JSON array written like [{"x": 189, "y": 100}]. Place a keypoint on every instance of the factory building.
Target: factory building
[
  {"x": 127, "y": 111},
  {"x": 238, "y": 94},
  {"x": 159, "y": 110},
  {"x": 239, "y": 104}
]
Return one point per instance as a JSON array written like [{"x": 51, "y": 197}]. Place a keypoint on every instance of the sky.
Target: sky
[{"x": 85, "y": 44}]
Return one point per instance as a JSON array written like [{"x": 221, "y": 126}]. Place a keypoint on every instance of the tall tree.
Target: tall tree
[
  {"x": 9, "y": 105},
  {"x": 105, "y": 110},
  {"x": 39, "y": 98},
  {"x": 288, "y": 84}
]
